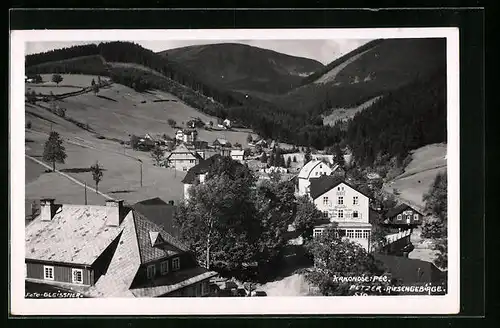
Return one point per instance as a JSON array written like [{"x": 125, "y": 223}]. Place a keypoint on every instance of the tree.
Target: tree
[
  {"x": 275, "y": 209},
  {"x": 31, "y": 97},
  {"x": 436, "y": 224},
  {"x": 275, "y": 176},
  {"x": 157, "y": 154},
  {"x": 249, "y": 138},
  {"x": 217, "y": 221},
  {"x": 54, "y": 151},
  {"x": 57, "y": 78},
  {"x": 95, "y": 88},
  {"x": 306, "y": 217},
  {"x": 307, "y": 156},
  {"x": 335, "y": 256},
  {"x": 263, "y": 158},
  {"x": 96, "y": 170},
  {"x": 338, "y": 156},
  {"x": 134, "y": 141},
  {"x": 171, "y": 122}
]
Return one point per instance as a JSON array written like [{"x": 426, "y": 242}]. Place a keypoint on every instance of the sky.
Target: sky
[{"x": 323, "y": 51}]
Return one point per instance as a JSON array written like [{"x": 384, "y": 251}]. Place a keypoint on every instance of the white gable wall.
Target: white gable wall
[{"x": 329, "y": 202}]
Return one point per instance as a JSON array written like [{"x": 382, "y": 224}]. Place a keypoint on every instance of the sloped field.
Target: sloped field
[{"x": 420, "y": 173}]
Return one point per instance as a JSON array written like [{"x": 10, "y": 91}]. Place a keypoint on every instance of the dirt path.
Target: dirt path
[{"x": 69, "y": 177}]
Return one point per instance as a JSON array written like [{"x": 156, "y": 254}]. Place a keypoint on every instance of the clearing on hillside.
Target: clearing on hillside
[{"x": 419, "y": 174}]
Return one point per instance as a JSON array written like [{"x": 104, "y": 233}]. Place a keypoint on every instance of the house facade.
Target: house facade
[
  {"x": 182, "y": 159},
  {"x": 198, "y": 173},
  {"x": 313, "y": 169},
  {"x": 109, "y": 251},
  {"x": 402, "y": 216},
  {"x": 238, "y": 155},
  {"x": 344, "y": 205}
]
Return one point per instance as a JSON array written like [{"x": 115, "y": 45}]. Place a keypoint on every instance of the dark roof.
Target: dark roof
[
  {"x": 152, "y": 201},
  {"x": 160, "y": 214},
  {"x": 327, "y": 182},
  {"x": 144, "y": 226},
  {"x": 200, "y": 168},
  {"x": 410, "y": 270},
  {"x": 400, "y": 208}
]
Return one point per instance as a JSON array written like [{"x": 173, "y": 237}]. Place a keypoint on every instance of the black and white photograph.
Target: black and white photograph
[{"x": 236, "y": 171}]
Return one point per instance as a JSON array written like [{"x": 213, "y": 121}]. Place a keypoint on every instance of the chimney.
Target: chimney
[
  {"x": 47, "y": 209},
  {"x": 114, "y": 212}
]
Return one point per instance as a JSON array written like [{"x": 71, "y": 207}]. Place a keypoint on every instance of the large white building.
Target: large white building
[
  {"x": 345, "y": 205},
  {"x": 313, "y": 169}
]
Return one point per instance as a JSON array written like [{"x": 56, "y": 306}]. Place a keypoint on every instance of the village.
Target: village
[{"x": 136, "y": 250}]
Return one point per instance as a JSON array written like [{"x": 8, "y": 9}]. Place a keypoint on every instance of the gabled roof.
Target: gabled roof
[
  {"x": 76, "y": 234},
  {"x": 148, "y": 253},
  {"x": 181, "y": 152},
  {"x": 400, "y": 208},
  {"x": 325, "y": 183},
  {"x": 160, "y": 214},
  {"x": 201, "y": 168},
  {"x": 306, "y": 170}
]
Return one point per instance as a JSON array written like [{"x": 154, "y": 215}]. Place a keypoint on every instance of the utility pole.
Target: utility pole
[
  {"x": 141, "y": 171},
  {"x": 85, "y": 192}
]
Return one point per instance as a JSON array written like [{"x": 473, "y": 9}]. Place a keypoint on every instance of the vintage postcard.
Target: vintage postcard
[{"x": 195, "y": 172}]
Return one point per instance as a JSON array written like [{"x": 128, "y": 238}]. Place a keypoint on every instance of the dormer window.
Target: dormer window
[
  {"x": 400, "y": 216},
  {"x": 415, "y": 217},
  {"x": 176, "y": 263}
]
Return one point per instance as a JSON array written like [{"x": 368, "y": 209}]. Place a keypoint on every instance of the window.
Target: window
[
  {"x": 204, "y": 289},
  {"x": 151, "y": 271},
  {"x": 355, "y": 214},
  {"x": 77, "y": 275},
  {"x": 358, "y": 233},
  {"x": 317, "y": 173},
  {"x": 325, "y": 200},
  {"x": 48, "y": 272},
  {"x": 399, "y": 217},
  {"x": 184, "y": 168},
  {"x": 341, "y": 200},
  {"x": 355, "y": 200},
  {"x": 164, "y": 267},
  {"x": 415, "y": 217},
  {"x": 366, "y": 234},
  {"x": 191, "y": 161},
  {"x": 317, "y": 232},
  {"x": 176, "y": 264},
  {"x": 340, "y": 214},
  {"x": 349, "y": 233}
]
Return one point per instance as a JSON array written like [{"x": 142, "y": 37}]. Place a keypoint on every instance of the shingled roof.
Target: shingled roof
[
  {"x": 201, "y": 168},
  {"x": 76, "y": 234},
  {"x": 160, "y": 214},
  {"x": 172, "y": 245}
]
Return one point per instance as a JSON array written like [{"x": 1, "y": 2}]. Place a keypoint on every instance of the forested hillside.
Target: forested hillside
[
  {"x": 406, "y": 119},
  {"x": 241, "y": 67}
]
